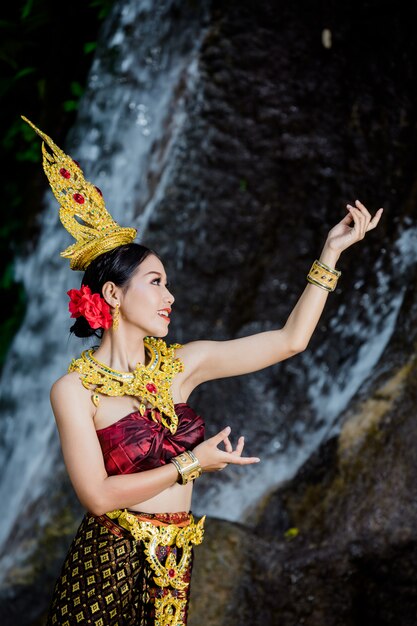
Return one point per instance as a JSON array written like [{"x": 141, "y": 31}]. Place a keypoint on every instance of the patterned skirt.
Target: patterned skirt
[{"x": 127, "y": 569}]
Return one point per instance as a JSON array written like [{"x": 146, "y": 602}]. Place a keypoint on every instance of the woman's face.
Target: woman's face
[{"x": 147, "y": 301}]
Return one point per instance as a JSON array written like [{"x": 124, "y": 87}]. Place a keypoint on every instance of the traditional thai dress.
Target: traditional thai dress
[{"x": 127, "y": 568}]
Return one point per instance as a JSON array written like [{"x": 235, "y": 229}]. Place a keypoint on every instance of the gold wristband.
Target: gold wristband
[
  {"x": 188, "y": 467},
  {"x": 323, "y": 276}
]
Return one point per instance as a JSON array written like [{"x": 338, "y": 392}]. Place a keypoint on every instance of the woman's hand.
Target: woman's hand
[
  {"x": 344, "y": 234},
  {"x": 212, "y": 459}
]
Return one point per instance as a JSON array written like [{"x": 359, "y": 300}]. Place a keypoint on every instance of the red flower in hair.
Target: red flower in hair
[{"x": 90, "y": 305}]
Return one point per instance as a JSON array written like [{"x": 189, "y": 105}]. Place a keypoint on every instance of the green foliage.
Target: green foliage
[
  {"x": 14, "y": 294},
  {"x": 103, "y": 7},
  {"x": 26, "y": 9},
  {"x": 77, "y": 91},
  {"x": 90, "y": 46},
  {"x": 45, "y": 53}
]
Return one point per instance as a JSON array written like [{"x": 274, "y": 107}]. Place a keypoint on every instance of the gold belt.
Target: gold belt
[{"x": 171, "y": 574}]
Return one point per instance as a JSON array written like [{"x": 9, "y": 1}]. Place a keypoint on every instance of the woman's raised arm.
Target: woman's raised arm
[{"x": 208, "y": 360}]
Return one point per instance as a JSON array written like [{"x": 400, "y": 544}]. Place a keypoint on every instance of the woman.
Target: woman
[{"x": 131, "y": 443}]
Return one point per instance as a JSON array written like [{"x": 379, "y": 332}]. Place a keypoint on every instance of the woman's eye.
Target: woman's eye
[{"x": 157, "y": 281}]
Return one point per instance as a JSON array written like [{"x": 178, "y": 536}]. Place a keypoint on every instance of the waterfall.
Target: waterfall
[{"x": 123, "y": 140}]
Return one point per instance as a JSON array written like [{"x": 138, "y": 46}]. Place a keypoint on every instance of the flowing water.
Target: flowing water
[{"x": 123, "y": 141}]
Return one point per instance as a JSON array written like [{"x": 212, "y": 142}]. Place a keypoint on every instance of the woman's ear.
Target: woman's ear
[{"x": 111, "y": 293}]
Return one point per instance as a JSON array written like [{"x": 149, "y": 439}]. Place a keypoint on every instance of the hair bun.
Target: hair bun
[{"x": 81, "y": 328}]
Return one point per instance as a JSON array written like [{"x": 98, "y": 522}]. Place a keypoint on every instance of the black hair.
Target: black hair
[{"x": 117, "y": 266}]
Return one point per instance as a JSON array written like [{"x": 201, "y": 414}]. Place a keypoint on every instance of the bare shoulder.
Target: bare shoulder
[
  {"x": 192, "y": 353},
  {"x": 68, "y": 391},
  {"x": 67, "y": 383}
]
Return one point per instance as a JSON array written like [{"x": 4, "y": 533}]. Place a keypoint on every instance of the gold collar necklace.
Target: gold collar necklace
[{"x": 150, "y": 383}]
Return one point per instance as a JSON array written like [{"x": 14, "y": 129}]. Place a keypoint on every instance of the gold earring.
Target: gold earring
[{"x": 116, "y": 316}]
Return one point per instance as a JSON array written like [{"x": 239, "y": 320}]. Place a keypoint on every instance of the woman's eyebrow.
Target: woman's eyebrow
[{"x": 157, "y": 273}]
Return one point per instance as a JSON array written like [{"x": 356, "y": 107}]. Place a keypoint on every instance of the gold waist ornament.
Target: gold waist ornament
[
  {"x": 151, "y": 383},
  {"x": 170, "y": 575}
]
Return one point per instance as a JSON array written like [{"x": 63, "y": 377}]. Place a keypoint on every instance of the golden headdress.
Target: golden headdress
[{"x": 97, "y": 232}]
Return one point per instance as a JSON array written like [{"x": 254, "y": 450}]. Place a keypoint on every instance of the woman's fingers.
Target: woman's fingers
[
  {"x": 356, "y": 219},
  {"x": 360, "y": 219},
  {"x": 361, "y": 210},
  {"x": 366, "y": 215},
  {"x": 221, "y": 436},
  {"x": 232, "y": 459},
  {"x": 347, "y": 219},
  {"x": 229, "y": 448},
  {"x": 235, "y": 456},
  {"x": 374, "y": 221},
  {"x": 212, "y": 458},
  {"x": 240, "y": 446}
]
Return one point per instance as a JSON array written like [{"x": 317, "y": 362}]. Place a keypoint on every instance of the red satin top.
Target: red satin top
[{"x": 136, "y": 442}]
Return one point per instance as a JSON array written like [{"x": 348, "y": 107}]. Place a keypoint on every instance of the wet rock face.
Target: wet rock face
[
  {"x": 284, "y": 133},
  {"x": 281, "y": 133},
  {"x": 361, "y": 483},
  {"x": 336, "y": 545},
  {"x": 317, "y": 587}
]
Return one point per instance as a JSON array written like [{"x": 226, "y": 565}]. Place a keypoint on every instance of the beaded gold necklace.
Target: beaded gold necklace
[{"x": 151, "y": 383}]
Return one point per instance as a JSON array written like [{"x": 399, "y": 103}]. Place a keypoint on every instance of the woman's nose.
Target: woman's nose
[{"x": 169, "y": 297}]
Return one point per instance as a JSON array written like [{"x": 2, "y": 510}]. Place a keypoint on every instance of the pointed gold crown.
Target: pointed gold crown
[{"x": 97, "y": 232}]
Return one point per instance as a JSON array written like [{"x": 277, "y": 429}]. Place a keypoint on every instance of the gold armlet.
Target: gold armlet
[
  {"x": 188, "y": 467},
  {"x": 323, "y": 276}
]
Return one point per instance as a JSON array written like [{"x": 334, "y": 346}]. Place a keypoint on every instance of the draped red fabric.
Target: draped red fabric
[{"x": 136, "y": 442}]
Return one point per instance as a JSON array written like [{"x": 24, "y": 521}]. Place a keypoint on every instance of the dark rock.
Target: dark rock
[{"x": 336, "y": 545}]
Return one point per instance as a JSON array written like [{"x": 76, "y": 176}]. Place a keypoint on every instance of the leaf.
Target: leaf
[
  {"x": 70, "y": 105},
  {"x": 26, "y": 9},
  {"x": 103, "y": 7},
  {"x": 90, "y": 46},
  {"x": 31, "y": 154},
  {"x": 77, "y": 89},
  {"x": 291, "y": 533},
  {"x": 7, "y": 279},
  {"x": 24, "y": 72}
]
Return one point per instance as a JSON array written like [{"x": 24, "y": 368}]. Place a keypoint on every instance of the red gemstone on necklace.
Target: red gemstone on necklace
[
  {"x": 151, "y": 388},
  {"x": 171, "y": 573},
  {"x": 65, "y": 173},
  {"x": 78, "y": 198}
]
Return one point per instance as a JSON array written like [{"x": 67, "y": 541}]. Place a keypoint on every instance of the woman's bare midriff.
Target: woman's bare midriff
[{"x": 172, "y": 500}]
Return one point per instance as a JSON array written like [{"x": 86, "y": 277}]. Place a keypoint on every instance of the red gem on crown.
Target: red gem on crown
[
  {"x": 152, "y": 388},
  {"x": 78, "y": 198},
  {"x": 65, "y": 173},
  {"x": 99, "y": 191},
  {"x": 171, "y": 573}
]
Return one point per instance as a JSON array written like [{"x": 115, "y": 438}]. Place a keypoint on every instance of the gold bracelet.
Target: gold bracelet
[
  {"x": 323, "y": 276},
  {"x": 188, "y": 467}
]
